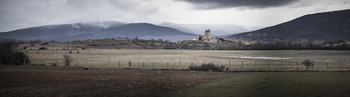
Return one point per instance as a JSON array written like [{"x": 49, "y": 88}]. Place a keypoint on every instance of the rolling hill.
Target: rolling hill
[
  {"x": 327, "y": 26},
  {"x": 96, "y": 30}
]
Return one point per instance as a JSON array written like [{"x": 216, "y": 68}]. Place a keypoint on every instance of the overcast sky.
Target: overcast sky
[{"x": 16, "y": 14}]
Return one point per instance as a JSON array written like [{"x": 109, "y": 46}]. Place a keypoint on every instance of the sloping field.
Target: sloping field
[{"x": 275, "y": 84}]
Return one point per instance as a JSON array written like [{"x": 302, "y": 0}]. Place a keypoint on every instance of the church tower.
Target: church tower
[{"x": 207, "y": 34}]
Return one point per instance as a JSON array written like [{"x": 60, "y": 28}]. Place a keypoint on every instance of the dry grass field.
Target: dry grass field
[
  {"x": 106, "y": 72},
  {"x": 235, "y": 60},
  {"x": 44, "y": 81},
  {"x": 274, "y": 84}
]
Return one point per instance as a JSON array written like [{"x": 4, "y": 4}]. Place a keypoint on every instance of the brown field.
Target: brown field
[
  {"x": 235, "y": 60},
  {"x": 44, "y": 81},
  {"x": 274, "y": 84},
  {"x": 160, "y": 72},
  {"x": 39, "y": 81}
]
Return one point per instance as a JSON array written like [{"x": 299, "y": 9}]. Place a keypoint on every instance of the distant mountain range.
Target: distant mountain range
[
  {"x": 216, "y": 29},
  {"x": 327, "y": 26},
  {"x": 97, "y": 30}
]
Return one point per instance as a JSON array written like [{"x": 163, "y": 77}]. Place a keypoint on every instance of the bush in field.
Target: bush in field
[
  {"x": 19, "y": 58},
  {"x": 42, "y": 48},
  {"x": 206, "y": 67},
  {"x": 9, "y": 55},
  {"x": 45, "y": 43},
  {"x": 308, "y": 63},
  {"x": 67, "y": 60},
  {"x": 129, "y": 63}
]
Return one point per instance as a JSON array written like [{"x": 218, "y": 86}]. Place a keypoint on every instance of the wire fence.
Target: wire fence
[{"x": 230, "y": 65}]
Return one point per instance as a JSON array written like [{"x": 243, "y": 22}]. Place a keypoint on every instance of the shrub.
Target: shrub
[
  {"x": 19, "y": 58},
  {"x": 308, "y": 63},
  {"x": 45, "y": 43},
  {"x": 42, "y": 48},
  {"x": 67, "y": 60},
  {"x": 206, "y": 67},
  {"x": 54, "y": 64},
  {"x": 24, "y": 48},
  {"x": 9, "y": 55},
  {"x": 93, "y": 45},
  {"x": 129, "y": 63}
]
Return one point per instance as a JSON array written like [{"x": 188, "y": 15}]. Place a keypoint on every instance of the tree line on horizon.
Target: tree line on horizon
[{"x": 224, "y": 45}]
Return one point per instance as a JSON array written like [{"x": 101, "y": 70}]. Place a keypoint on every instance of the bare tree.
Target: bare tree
[{"x": 67, "y": 60}]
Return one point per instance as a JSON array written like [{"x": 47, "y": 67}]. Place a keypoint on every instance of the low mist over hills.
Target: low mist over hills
[
  {"x": 217, "y": 29},
  {"x": 321, "y": 27},
  {"x": 96, "y": 30},
  {"x": 328, "y": 26}
]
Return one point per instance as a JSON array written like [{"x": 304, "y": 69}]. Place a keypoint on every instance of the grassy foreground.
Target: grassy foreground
[
  {"x": 275, "y": 84},
  {"x": 45, "y": 81}
]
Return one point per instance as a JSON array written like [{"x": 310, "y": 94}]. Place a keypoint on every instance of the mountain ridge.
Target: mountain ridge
[
  {"x": 99, "y": 30},
  {"x": 326, "y": 26}
]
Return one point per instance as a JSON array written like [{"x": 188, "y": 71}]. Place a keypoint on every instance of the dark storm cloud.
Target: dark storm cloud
[{"x": 251, "y": 4}]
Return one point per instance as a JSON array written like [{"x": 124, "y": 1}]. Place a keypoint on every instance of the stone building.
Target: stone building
[
  {"x": 207, "y": 37},
  {"x": 207, "y": 34}
]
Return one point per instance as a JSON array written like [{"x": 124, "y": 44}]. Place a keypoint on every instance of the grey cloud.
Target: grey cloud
[
  {"x": 15, "y": 14},
  {"x": 250, "y": 4}
]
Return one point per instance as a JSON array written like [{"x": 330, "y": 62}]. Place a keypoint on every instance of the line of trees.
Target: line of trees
[
  {"x": 224, "y": 45},
  {"x": 229, "y": 45}
]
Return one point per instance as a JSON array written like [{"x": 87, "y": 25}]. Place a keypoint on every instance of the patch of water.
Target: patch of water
[{"x": 262, "y": 58}]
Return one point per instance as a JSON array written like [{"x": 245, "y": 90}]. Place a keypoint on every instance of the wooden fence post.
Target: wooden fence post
[
  {"x": 108, "y": 63},
  {"x": 255, "y": 64},
  {"x": 297, "y": 66},
  {"x": 229, "y": 63},
  {"x": 340, "y": 66},
  {"x": 242, "y": 64},
  {"x": 46, "y": 61},
  {"x": 326, "y": 66},
  {"x": 281, "y": 64}
]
